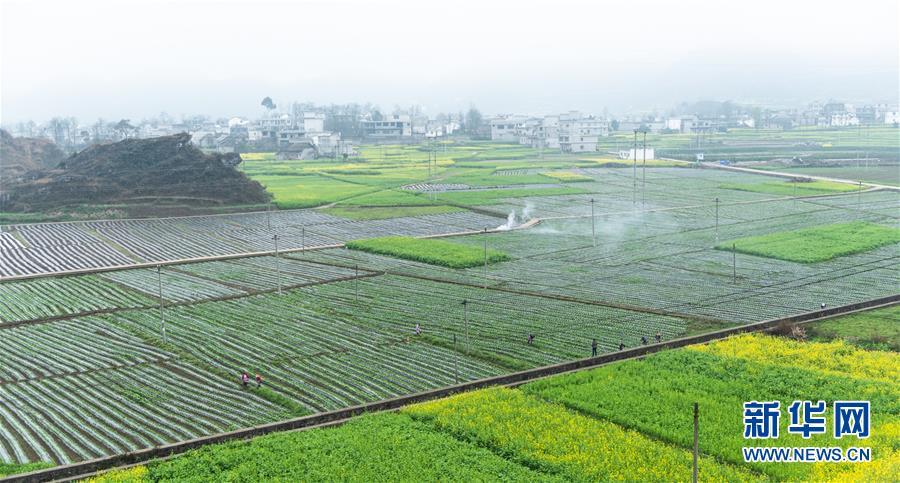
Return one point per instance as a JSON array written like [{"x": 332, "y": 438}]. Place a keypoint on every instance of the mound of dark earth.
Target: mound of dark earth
[
  {"x": 158, "y": 170},
  {"x": 20, "y": 155}
]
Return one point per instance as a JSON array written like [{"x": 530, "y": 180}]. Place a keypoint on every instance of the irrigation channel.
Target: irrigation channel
[{"x": 91, "y": 467}]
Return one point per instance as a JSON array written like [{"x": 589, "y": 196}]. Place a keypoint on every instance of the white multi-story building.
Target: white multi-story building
[
  {"x": 395, "y": 126},
  {"x": 891, "y": 117},
  {"x": 506, "y": 128},
  {"x": 579, "y": 133},
  {"x": 843, "y": 119}
]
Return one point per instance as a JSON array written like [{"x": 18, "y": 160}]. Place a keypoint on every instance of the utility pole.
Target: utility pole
[
  {"x": 303, "y": 239},
  {"x": 484, "y": 270},
  {"x": 455, "y": 361},
  {"x": 593, "y": 231},
  {"x": 268, "y": 220},
  {"x": 465, "y": 304},
  {"x": 859, "y": 195},
  {"x": 644, "y": 172},
  {"x": 356, "y": 284},
  {"x": 696, "y": 440},
  {"x": 634, "y": 169},
  {"x": 277, "y": 266},
  {"x": 717, "y": 219},
  {"x": 162, "y": 314},
  {"x": 734, "y": 263}
]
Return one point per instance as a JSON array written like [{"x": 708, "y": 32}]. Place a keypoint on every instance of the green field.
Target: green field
[
  {"x": 386, "y": 447},
  {"x": 432, "y": 251},
  {"x": 385, "y": 212},
  {"x": 874, "y": 329},
  {"x": 886, "y": 174},
  {"x": 567, "y": 176},
  {"x": 792, "y": 188},
  {"x": 490, "y": 197},
  {"x": 309, "y": 190},
  {"x": 817, "y": 244}
]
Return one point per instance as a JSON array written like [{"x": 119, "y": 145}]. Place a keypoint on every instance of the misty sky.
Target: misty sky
[{"x": 129, "y": 59}]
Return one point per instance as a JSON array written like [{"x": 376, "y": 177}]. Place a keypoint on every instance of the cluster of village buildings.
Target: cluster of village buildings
[{"x": 302, "y": 133}]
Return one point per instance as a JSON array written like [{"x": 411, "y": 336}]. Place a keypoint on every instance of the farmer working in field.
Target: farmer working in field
[
  {"x": 258, "y": 381},
  {"x": 530, "y": 339},
  {"x": 594, "y": 348},
  {"x": 245, "y": 378}
]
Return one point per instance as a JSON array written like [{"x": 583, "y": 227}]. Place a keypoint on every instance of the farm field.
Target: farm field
[
  {"x": 873, "y": 329},
  {"x": 819, "y": 243},
  {"x": 886, "y": 174},
  {"x": 605, "y": 423},
  {"x": 792, "y": 188},
  {"x": 429, "y": 250},
  {"x": 334, "y": 327}
]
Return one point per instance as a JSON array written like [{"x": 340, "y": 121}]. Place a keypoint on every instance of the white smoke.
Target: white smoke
[{"x": 513, "y": 220}]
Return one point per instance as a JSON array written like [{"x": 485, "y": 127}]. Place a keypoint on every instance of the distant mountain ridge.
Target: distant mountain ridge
[{"x": 163, "y": 169}]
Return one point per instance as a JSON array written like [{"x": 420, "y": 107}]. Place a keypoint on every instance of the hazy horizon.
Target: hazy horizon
[{"x": 95, "y": 59}]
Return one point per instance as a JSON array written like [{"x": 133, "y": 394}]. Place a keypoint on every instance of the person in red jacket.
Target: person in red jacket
[
  {"x": 258, "y": 381},
  {"x": 245, "y": 378}
]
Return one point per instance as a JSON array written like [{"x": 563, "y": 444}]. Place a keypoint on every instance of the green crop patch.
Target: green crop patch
[
  {"x": 386, "y": 212},
  {"x": 817, "y": 244},
  {"x": 308, "y": 190},
  {"x": 383, "y": 447},
  {"x": 792, "y": 188},
  {"x": 567, "y": 176},
  {"x": 431, "y": 251},
  {"x": 490, "y": 197}
]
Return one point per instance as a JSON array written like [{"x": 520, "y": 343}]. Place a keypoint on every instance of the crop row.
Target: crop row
[
  {"x": 60, "y": 247},
  {"x": 66, "y": 347},
  {"x": 262, "y": 273},
  {"x": 94, "y": 414},
  {"x": 176, "y": 286},
  {"x": 320, "y": 359},
  {"x": 48, "y": 297},
  {"x": 498, "y": 323}
]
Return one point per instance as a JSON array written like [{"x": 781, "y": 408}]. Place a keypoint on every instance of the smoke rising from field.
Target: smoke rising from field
[
  {"x": 513, "y": 220},
  {"x": 611, "y": 229}
]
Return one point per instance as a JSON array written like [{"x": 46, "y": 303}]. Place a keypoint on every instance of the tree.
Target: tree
[
  {"x": 614, "y": 124},
  {"x": 376, "y": 115},
  {"x": 124, "y": 127},
  {"x": 473, "y": 120},
  {"x": 268, "y": 104}
]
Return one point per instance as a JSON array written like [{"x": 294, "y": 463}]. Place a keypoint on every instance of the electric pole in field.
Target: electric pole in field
[
  {"x": 717, "y": 219},
  {"x": 634, "y": 169},
  {"x": 484, "y": 270},
  {"x": 302, "y": 239},
  {"x": 268, "y": 220},
  {"x": 465, "y": 304},
  {"x": 644, "y": 172},
  {"x": 696, "y": 441},
  {"x": 455, "y": 360},
  {"x": 734, "y": 263},
  {"x": 356, "y": 284},
  {"x": 162, "y": 313},
  {"x": 593, "y": 230},
  {"x": 277, "y": 265}
]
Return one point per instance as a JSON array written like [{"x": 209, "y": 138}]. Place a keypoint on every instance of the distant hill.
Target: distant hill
[
  {"x": 20, "y": 155},
  {"x": 166, "y": 169}
]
